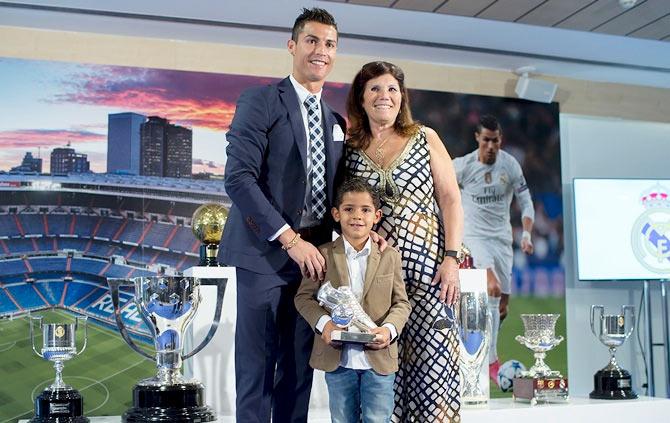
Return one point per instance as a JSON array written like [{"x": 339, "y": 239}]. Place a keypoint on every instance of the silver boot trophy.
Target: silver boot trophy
[
  {"x": 167, "y": 305},
  {"x": 59, "y": 402},
  {"x": 612, "y": 382},
  {"x": 540, "y": 383},
  {"x": 346, "y": 312}
]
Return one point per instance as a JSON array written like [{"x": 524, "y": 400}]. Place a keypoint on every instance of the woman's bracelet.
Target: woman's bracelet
[{"x": 291, "y": 243}]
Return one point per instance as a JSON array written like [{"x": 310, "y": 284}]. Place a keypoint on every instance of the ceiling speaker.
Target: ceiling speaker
[{"x": 535, "y": 89}]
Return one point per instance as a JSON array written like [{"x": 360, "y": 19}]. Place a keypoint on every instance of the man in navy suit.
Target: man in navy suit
[{"x": 284, "y": 153}]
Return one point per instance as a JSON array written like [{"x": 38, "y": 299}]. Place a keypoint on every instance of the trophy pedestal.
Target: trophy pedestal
[
  {"x": 352, "y": 337},
  {"x": 209, "y": 272},
  {"x": 181, "y": 403},
  {"x": 541, "y": 389},
  {"x": 60, "y": 405},
  {"x": 612, "y": 384}
]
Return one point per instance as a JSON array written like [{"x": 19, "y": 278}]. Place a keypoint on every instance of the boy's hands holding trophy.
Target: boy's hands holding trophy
[
  {"x": 345, "y": 312},
  {"x": 327, "y": 334},
  {"x": 382, "y": 338}
]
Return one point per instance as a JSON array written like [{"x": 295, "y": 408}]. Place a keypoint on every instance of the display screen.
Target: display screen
[{"x": 622, "y": 229}]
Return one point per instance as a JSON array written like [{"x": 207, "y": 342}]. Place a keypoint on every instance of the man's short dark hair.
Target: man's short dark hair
[
  {"x": 312, "y": 15},
  {"x": 489, "y": 122},
  {"x": 357, "y": 185}
]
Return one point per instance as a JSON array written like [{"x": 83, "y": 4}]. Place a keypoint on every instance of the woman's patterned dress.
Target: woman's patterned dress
[{"x": 427, "y": 383}]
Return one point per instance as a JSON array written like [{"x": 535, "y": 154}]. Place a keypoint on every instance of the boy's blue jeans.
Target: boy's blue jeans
[{"x": 360, "y": 395}]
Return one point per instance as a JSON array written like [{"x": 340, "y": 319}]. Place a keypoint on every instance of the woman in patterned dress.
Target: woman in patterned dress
[{"x": 410, "y": 166}]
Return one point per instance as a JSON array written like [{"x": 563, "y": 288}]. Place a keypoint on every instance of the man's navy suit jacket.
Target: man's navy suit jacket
[{"x": 266, "y": 174}]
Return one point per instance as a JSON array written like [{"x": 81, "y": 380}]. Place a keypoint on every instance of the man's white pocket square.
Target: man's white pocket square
[{"x": 338, "y": 135}]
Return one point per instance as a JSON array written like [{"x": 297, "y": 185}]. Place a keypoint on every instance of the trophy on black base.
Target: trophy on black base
[
  {"x": 207, "y": 224},
  {"x": 59, "y": 403},
  {"x": 612, "y": 382},
  {"x": 167, "y": 305},
  {"x": 540, "y": 383}
]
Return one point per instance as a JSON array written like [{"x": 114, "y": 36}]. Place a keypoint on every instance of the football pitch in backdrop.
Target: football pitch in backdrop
[
  {"x": 104, "y": 373},
  {"x": 60, "y": 237}
]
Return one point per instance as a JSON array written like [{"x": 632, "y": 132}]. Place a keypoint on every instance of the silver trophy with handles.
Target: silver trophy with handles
[
  {"x": 59, "y": 402},
  {"x": 612, "y": 382},
  {"x": 167, "y": 305}
]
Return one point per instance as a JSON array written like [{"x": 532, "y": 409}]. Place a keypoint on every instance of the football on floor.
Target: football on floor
[{"x": 507, "y": 372}]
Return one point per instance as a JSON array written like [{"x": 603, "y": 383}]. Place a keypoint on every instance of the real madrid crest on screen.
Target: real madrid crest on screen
[{"x": 649, "y": 236}]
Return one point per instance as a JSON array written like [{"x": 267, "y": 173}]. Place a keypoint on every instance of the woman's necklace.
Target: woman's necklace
[{"x": 379, "y": 150}]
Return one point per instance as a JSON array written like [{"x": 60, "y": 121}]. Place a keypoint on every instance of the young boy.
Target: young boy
[{"x": 359, "y": 377}]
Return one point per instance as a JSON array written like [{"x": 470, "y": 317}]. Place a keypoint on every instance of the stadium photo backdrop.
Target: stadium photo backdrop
[
  {"x": 530, "y": 134},
  {"x": 101, "y": 168}
]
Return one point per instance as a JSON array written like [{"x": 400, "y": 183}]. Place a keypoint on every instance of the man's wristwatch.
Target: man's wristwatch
[{"x": 456, "y": 255}]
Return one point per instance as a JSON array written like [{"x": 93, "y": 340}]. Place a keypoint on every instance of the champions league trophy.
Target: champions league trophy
[
  {"x": 346, "y": 312},
  {"x": 540, "y": 383},
  {"x": 474, "y": 335},
  {"x": 59, "y": 402},
  {"x": 167, "y": 305},
  {"x": 207, "y": 224},
  {"x": 612, "y": 382}
]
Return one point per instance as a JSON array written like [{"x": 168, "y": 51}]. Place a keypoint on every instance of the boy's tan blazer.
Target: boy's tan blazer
[{"x": 384, "y": 300}]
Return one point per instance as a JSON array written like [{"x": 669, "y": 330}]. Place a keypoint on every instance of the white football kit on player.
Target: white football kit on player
[{"x": 486, "y": 194}]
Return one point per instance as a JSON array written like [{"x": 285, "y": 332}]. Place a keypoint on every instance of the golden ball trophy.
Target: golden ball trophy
[
  {"x": 207, "y": 224},
  {"x": 540, "y": 383}
]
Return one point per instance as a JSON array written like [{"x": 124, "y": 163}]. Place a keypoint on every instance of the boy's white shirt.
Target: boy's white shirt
[{"x": 353, "y": 355}]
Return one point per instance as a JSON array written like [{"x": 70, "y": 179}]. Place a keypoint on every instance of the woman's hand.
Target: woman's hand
[
  {"x": 379, "y": 240},
  {"x": 447, "y": 278}
]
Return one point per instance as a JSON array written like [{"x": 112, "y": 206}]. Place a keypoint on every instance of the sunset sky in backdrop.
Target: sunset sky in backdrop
[{"x": 48, "y": 104}]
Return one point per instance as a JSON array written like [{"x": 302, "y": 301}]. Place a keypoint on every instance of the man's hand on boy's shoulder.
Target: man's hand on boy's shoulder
[
  {"x": 310, "y": 260},
  {"x": 382, "y": 338}
]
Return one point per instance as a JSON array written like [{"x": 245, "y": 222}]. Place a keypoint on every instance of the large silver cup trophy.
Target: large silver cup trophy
[
  {"x": 474, "y": 334},
  {"x": 59, "y": 402},
  {"x": 167, "y": 305},
  {"x": 540, "y": 383},
  {"x": 612, "y": 382},
  {"x": 346, "y": 312}
]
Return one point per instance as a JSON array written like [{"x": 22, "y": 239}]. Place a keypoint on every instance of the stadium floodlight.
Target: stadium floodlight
[{"x": 627, "y": 4}]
